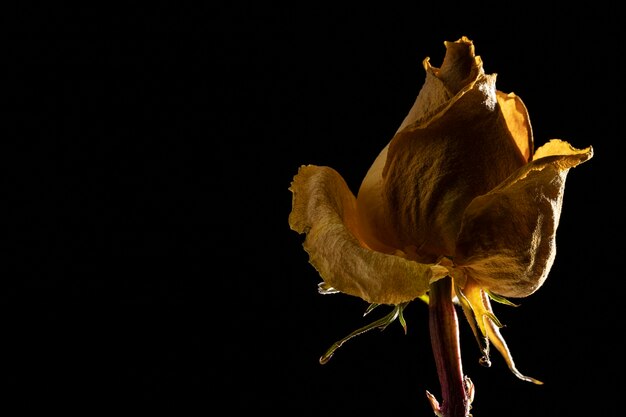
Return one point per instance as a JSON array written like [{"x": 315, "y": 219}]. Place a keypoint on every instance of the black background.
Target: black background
[{"x": 150, "y": 265}]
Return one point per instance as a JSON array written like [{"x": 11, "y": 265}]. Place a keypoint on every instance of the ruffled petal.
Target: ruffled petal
[
  {"x": 325, "y": 210},
  {"x": 507, "y": 239},
  {"x": 460, "y": 68},
  {"x": 566, "y": 155}
]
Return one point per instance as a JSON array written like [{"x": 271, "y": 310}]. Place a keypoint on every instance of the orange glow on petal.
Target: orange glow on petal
[
  {"x": 557, "y": 147},
  {"x": 518, "y": 121}
]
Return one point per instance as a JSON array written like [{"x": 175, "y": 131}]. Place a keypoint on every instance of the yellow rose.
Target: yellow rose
[{"x": 458, "y": 192}]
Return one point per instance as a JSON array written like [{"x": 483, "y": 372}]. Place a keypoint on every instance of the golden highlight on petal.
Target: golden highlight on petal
[
  {"x": 325, "y": 210},
  {"x": 569, "y": 156},
  {"x": 518, "y": 121}
]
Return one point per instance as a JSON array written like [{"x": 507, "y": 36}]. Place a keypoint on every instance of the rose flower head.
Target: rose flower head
[{"x": 459, "y": 195}]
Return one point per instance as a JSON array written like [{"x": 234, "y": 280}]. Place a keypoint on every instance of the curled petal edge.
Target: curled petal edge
[{"x": 324, "y": 209}]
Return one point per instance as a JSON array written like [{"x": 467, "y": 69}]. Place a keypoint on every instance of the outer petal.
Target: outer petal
[
  {"x": 434, "y": 171},
  {"x": 325, "y": 209},
  {"x": 507, "y": 239},
  {"x": 459, "y": 69},
  {"x": 518, "y": 122},
  {"x": 461, "y": 139}
]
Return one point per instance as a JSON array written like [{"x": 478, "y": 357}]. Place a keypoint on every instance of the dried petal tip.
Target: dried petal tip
[{"x": 565, "y": 154}]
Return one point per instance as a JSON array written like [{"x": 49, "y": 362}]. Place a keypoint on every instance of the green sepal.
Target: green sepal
[
  {"x": 494, "y": 319},
  {"x": 402, "y": 320},
  {"x": 381, "y": 324},
  {"x": 370, "y": 308},
  {"x": 500, "y": 299}
]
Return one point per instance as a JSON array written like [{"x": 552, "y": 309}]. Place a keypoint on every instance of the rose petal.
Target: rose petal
[
  {"x": 558, "y": 148},
  {"x": 325, "y": 210},
  {"x": 415, "y": 192},
  {"x": 375, "y": 223},
  {"x": 507, "y": 239},
  {"x": 433, "y": 171},
  {"x": 518, "y": 121},
  {"x": 460, "y": 68}
]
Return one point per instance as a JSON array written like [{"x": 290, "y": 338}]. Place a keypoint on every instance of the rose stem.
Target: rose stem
[{"x": 444, "y": 336}]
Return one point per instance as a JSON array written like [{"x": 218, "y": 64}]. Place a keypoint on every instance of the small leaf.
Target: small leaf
[
  {"x": 493, "y": 318},
  {"x": 402, "y": 319},
  {"x": 381, "y": 324},
  {"x": 499, "y": 299},
  {"x": 370, "y": 308}
]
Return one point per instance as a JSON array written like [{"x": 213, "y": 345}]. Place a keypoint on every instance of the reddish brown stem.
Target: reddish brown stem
[{"x": 444, "y": 336}]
